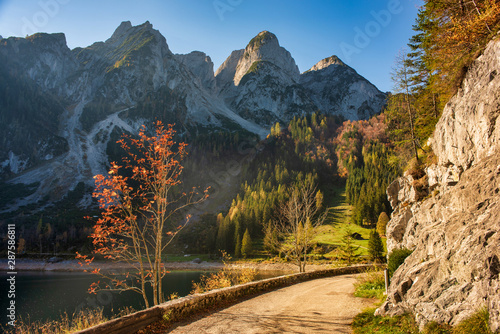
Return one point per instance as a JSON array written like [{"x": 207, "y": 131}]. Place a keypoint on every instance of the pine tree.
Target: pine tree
[
  {"x": 238, "y": 247},
  {"x": 375, "y": 247},
  {"x": 348, "y": 250},
  {"x": 246, "y": 245}
]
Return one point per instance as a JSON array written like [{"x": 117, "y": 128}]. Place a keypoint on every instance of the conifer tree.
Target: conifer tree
[
  {"x": 246, "y": 244},
  {"x": 375, "y": 247},
  {"x": 348, "y": 250},
  {"x": 238, "y": 247}
]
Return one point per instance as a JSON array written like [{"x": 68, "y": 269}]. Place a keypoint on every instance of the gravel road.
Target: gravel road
[{"x": 324, "y": 305}]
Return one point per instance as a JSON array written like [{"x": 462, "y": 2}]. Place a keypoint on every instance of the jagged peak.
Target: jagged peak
[
  {"x": 324, "y": 63},
  {"x": 125, "y": 28},
  {"x": 122, "y": 29}
]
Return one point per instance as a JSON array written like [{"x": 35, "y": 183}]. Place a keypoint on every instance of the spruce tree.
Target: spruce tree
[
  {"x": 246, "y": 245},
  {"x": 237, "y": 248},
  {"x": 348, "y": 250},
  {"x": 375, "y": 247}
]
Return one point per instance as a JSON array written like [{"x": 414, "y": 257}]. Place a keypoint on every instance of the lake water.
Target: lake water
[{"x": 47, "y": 295}]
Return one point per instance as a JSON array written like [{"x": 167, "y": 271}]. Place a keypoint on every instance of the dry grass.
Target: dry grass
[
  {"x": 79, "y": 320},
  {"x": 224, "y": 278}
]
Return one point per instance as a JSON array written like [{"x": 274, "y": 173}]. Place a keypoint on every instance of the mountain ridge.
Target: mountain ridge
[{"x": 135, "y": 71}]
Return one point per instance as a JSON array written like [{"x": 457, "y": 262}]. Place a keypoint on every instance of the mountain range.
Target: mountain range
[{"x": 60, "y": 108}]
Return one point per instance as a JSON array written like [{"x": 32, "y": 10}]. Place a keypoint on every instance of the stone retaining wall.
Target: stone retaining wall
[{"x": 178, "y": 309}]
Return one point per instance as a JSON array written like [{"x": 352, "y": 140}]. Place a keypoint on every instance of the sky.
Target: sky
[{"x": 365, "y": 34}]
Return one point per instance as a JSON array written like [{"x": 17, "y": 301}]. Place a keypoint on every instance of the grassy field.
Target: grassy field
[{"x": 334, "y": 229}]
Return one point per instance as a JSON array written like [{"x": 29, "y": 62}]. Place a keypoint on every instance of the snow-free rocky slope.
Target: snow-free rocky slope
[
  {"x": 86, "y": 96},
  {"x": 455, "y": 232}
]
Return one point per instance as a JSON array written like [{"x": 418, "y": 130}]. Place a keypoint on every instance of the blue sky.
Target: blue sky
[{"x": 366, "y": 34}]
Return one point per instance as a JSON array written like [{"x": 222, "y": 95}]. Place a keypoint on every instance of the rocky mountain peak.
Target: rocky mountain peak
[
  {"x": 122, "y": 29},
  {"x": 128, "y": 35},
  {"x": 263, "y": 38},
  {"x": 265, "y": 47},
  {"x": 324, "y": 63}
]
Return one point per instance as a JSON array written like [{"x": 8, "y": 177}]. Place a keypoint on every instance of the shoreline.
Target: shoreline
[{"x": 74, "y": 266}]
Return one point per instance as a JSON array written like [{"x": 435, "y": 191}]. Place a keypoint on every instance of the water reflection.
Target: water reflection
[{"x": 47, "y": 295}]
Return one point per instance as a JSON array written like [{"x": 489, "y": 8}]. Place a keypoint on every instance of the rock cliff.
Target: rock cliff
[{"x": 454, "y": 231}]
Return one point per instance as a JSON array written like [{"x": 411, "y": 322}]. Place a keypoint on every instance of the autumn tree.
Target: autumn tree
[
  {"x": 142, "y": 209},
  {"x": 298, "y": 219},
  {"x": 382, "y": 221}
]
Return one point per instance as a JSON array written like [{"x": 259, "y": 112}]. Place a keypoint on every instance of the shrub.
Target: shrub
[
  {"x": 396, "y": 258},
  {"x": 79, "y": 320}
]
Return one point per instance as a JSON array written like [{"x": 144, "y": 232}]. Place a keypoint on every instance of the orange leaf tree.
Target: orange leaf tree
[{"x": 142, "y": 209}]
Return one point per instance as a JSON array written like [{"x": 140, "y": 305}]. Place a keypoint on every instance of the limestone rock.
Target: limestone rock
[
  {"x": 202, "y": 68},
  {"x": 455, "y": 232},
  {"x": 265, "y": 47},
  {"x": 469, "y": 128}
]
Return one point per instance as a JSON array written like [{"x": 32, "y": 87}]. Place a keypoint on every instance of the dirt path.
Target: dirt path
[{"x": 324, "y": 305}]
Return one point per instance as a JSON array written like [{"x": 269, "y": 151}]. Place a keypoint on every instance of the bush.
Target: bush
[
  {"x": 396, "y": 258},
  {"x": 79, "y": 320}
]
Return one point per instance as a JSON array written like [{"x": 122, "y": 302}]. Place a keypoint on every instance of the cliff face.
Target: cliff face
[{"x": 455, "y": 231}]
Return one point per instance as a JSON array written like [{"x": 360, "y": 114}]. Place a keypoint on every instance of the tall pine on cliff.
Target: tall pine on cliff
[{"x": 449, "y": 35}]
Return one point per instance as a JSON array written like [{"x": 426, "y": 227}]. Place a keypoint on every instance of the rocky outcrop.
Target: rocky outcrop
[
  {"x": 469, "y": 128},
  {"x": 455, "y": 231}
]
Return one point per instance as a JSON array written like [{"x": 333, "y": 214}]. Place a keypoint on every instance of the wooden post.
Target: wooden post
[{"x": 386, "y": 277}]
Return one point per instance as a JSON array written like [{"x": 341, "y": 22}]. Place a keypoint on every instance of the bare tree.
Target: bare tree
[{"x": 298, "y": 220}]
